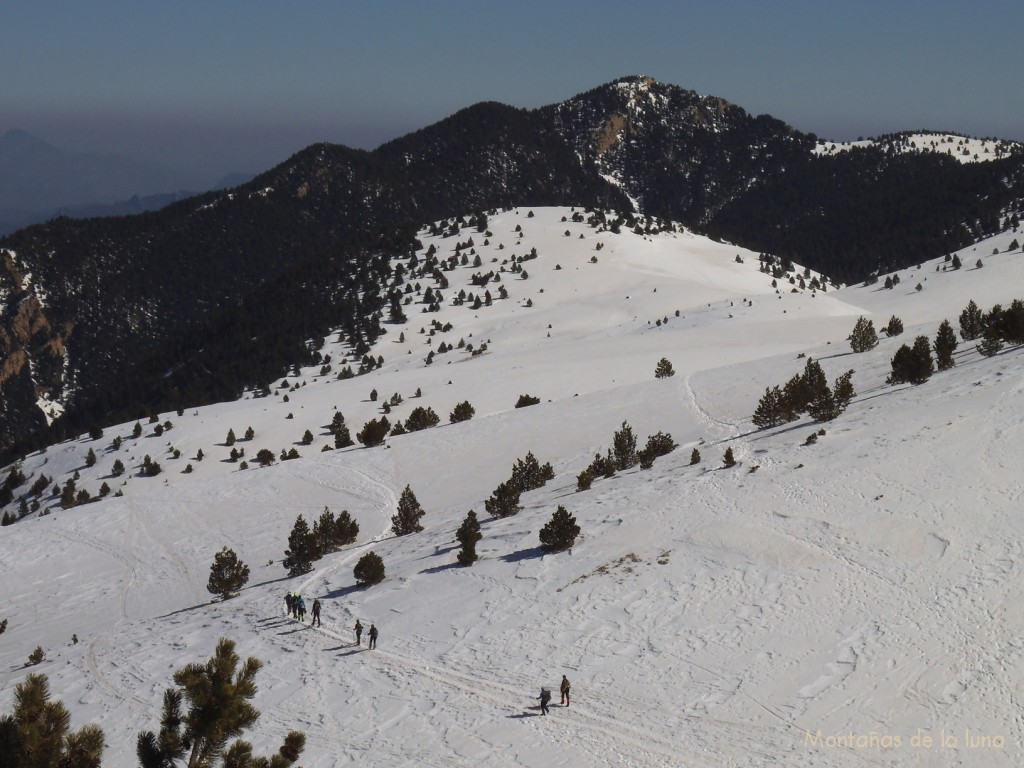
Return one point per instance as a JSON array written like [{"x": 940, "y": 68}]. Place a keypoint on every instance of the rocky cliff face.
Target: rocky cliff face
[{"x": 32, "y": 355}]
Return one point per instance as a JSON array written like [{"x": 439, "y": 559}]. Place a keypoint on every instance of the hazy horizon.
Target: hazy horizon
[{"x": 238, "y": 87}]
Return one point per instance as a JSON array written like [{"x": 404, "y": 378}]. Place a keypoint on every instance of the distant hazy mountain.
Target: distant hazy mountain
[
  {"x": 35, "y": 175},
  {"x": 39, "y": 181}
]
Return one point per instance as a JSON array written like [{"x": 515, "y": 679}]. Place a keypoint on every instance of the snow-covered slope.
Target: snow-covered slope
[
  {"x": 828, "y": 604},
  {"x": 966, "y": 149}
]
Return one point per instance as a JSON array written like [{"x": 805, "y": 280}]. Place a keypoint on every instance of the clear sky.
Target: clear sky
[{"x": 222, "y": 85}]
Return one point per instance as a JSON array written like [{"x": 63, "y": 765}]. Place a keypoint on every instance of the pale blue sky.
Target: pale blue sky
[{"x": 223, "y": 85}]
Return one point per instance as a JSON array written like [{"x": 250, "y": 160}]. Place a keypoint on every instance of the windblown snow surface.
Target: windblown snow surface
[{"x": 856, "y": 601}]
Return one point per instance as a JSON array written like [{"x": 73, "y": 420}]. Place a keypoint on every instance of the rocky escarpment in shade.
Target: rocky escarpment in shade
[{"x": 32, "y": 353}]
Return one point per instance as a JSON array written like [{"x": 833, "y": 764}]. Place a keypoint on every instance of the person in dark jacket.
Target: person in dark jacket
[
  {"x": 288, "y": 602},
  {"x": 545, "y": 697},
  {"x": 565, "y": 690},
  {"x": 359, "y": 633},
  {"x": 373, "y": 636},
  {"x": 316, "y": 613}
]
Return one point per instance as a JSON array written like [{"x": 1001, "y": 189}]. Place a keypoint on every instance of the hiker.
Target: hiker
[
  {"x": 300, "y": 611},
  {"x": 373, "y": 636},
  {"x": 316, "y": 612},
  {"x": 545, "y": 697},
  {"x": 359, "y": 633},
  {"x": 288, "y": 602},
  {"x": 565, "y": 690},
  {"x": 295, "y": 605}
]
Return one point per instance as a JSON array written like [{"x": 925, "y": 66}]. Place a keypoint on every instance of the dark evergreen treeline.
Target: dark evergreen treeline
[
  {"x": 865, "y": 211},
  {"x": 259, "y": 338}
]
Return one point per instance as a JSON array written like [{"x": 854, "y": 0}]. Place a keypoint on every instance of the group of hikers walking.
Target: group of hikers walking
[
  {"x": 372, "y": 635},
  {"x": 297, "y": 610},
  {"x": 545, "y": 695}
]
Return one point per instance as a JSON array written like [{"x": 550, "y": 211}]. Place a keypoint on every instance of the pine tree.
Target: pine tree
[
  {"x": 990, "y": 343},
  {"x": 863, "y": 337},
  {"x": 468, "y": 535},
  {"x": 823, "y": 407},
  {"x": 90, "y": 458},
  {"x": 369, "y": 570},
  {"x": 912, "y": 364},
  {"x": 945, "y": 345},
  {"x": 843, "y": 391},
  {"x": 1013, "y": 322},
  {"x": 583, "y": 480},
  {"x": 694, "y": 457},
  {"x": 374, "y": 432},
  {"x": 728, "y": 459},
  {"x": 560, "y": 532},
  {"x": 230, "y": 439},
  {"x": 331, "y": 534},
  {"x": 217, "y": 694},
  {"x": 526, "y": 400},
  {"x": 894, "y": 327},
  {"x": 972, "y": 322},
  {"x": 301, "y": 552},
  {"x": 660, "y": 444},
  {"x": 36, "y": 734},
  {"x": 228, "y": 574},
  {"x": 528, "y": 474},
  {"x": 812, "y": 383},
  {"x": 663, "y": 369},
  {"x": 421, "y": 418},
  {"x": 407, "y": 518},
  {"x": 461, "y": 412},
  {"x": 504, "y": 501},
  {"x": 624, "y": 447},
  {"x": 773, "y": 409}
]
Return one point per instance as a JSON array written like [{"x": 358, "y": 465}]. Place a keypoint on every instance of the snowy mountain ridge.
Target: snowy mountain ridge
[
  {"x": 965, "y": 149},
  {"x": 769, "y": 613}
]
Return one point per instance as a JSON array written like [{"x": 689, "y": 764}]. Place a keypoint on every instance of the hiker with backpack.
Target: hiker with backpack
[
  {"x": 545, "y": 697},
  {"x": 359, "y": 633},
  {"x": 373, "y": 636},
  {"x": 565, "y": 690},
  {"x": 316, "y": 612}
]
